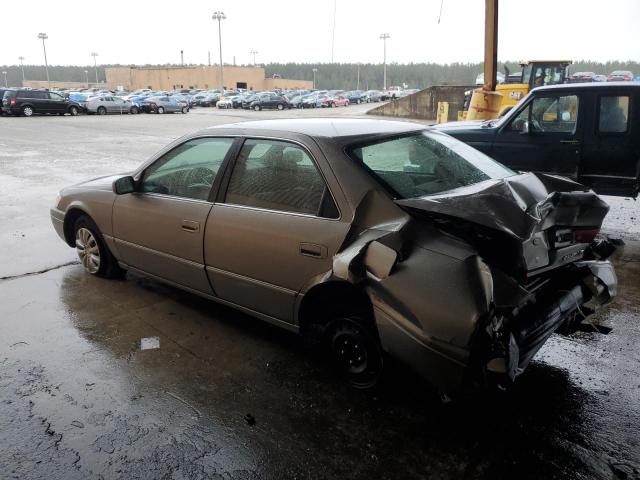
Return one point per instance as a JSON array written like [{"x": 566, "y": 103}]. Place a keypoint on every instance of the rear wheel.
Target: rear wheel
[
  {"x": 257, "y": 108},
  {"x": 160, "y": 110},
  {"x": 27, "y": 111},
  {"x": 134, "y": 110},
  {"x": 102, "y": 111},
  {"x": 354, "y": 350},
  {"x": 185, "y": 109},
  {"x": 280, "y": 106},
  {"x": 93, "y": 252}
]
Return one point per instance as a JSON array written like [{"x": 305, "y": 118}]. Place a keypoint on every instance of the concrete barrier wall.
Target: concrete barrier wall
[{"x": 424, "y": 104}]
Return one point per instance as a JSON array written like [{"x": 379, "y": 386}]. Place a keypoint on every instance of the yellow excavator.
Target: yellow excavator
[{"x": 485, "y": 105}]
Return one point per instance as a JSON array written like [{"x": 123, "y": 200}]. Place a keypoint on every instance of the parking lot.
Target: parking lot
[{"x": 227, "y": 396}]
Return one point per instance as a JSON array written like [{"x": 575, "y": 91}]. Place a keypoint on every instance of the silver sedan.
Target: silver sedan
[{"x": 107, "y": 104}]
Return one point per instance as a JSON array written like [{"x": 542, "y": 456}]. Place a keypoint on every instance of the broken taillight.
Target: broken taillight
[
  {"x": 585, "y": 235},
  {"x": 13, "y": 101}
]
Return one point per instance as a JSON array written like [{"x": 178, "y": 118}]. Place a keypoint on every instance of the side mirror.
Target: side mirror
[
  {"x": 124, "y": 185},
  {"x": 525, "y": 128}
]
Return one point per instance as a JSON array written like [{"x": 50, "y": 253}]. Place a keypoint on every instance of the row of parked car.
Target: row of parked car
[
  {"x": 27, "y": 102},
  {"x": 615, "y": 76}
]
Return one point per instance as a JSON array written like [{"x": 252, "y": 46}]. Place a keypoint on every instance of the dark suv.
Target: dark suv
[{"x": 27, "y": 102}]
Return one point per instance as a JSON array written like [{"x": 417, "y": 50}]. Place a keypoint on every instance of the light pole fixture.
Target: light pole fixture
[
  {"x": 384, "y": 37},
  {"x": 182, "y": 58},
  {"x": 21, "y": 58},
  {"x": 43, "y": 37},
  {"x": 95, "y": 64},
  {"x": 86, "y": 77},
  {"x": 358, "y": 82},
  {"x": 315, "y": 70},
  {"x": 254, "y": 53},
  {"x": 5, "y": 79},
  {"x": 219, "y": 16}
]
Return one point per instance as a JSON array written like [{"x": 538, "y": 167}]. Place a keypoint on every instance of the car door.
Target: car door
[
  {"x": 56, "y": 103},
  {"x": 544, "y": 136},
  {"x": 159, "y": 229},
  {"x": 611, "y": 152},
  {"x": 274, "y": 230}
]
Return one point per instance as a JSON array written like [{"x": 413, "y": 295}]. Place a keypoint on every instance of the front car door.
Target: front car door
[
  {"x": 57, "y": 103},
  {"x": 159, "y": 229},
  {"x": 544, "y": 136},
  {"x": 276, "y": 228},
  {"x": 611, "y": 152}
]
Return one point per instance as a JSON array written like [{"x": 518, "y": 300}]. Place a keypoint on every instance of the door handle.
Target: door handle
[
  {"x": 190, "y": 226},
  {"x": 313, "y": 250},
  {"x": 570, "y": 142}
]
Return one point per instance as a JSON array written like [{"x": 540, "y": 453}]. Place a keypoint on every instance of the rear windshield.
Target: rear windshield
[{"x": 426, "y": 163}]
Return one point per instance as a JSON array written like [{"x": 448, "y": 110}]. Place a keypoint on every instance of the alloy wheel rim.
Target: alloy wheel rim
[
  {"x": 88, "y": 250},
  {"x": 28, "y": 111}
]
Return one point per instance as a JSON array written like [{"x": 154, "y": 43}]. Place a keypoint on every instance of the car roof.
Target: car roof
[
  {"x": 324, "y": 127},
  {"x": 581, "y": 86}
]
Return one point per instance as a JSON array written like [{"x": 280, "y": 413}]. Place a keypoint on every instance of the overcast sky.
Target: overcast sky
[{"x": 144, "y": 31}]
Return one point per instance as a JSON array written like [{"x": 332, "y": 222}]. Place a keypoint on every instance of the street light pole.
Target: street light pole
[
  {"x": 21, "y": 58},
  {"x": 384, "y": 37},
  {"x": 358, "y": 84},
  {"x": 86, "y": 77},
  {"x": 43, "y": 37},
  {"x": 219, "y": 16},
  {"x": 254, "y": 53},
  {"x": 95, "y": 64},
  {"x": 315, "y": 70},
  {"x": 182, "y": 58},
  {"x": 5, "y": 79}
]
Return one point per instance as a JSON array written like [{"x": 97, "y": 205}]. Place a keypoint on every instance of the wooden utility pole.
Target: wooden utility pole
[{"x": 490, "y": 44}]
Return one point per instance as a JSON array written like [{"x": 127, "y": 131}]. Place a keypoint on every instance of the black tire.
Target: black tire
[
  {"x": 332, "y": 104},
  {"x": 257, "y": 108},
  {"x": 160, "y": 110},
  {"x": 134, "y": 110},
  {"x": 27, "y": 111},
  {"x": 280, "y": 106},
  {"x": 102, "y": 111},
  {"x": 185, "y": 109},
  {"x": 108, "y": 265},
  {"x": 354, "y": 350},
  {"x": 73, "y": 111}
]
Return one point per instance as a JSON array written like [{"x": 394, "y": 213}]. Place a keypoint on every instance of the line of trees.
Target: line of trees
[{"x": 328, "y": 75}]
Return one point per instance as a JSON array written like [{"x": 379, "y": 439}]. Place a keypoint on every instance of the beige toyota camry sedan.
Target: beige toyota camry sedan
[{"x": 371, "y": 237}]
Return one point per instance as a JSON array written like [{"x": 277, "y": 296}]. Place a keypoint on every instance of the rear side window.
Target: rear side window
[
  {"x": 280, "y": 176},
  {"x": 613, "y": 114}
]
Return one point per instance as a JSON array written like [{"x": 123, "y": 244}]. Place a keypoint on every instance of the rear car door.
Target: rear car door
[
  {"x": 611, "y": 152},
  {"x": 544, "y": 136},
  {"x": 159, "y": 229},
  {"x": 275, "y": 229}
]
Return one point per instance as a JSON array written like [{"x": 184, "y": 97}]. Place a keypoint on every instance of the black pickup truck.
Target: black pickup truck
[{"x": 588, "y": 132}]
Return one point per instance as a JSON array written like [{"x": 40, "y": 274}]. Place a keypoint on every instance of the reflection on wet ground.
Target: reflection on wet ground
[{"x": 133, "y": 379}]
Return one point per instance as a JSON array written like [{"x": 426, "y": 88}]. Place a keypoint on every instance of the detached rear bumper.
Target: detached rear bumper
[{"x": 513, "y": 342}]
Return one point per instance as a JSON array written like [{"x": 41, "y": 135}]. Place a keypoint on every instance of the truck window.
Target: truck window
[
  {"x": 613, "y": 114},
  {"x": 557, "y": 114}
]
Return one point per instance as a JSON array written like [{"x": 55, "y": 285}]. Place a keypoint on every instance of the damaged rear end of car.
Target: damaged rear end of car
[{"x": 468, "y": 283}]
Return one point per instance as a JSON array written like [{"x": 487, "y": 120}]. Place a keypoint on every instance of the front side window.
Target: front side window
[
  {"x": 277, "y": 175},
  {"x": 55, "y": 97},
  {"x": 613, "y": 114},
  {"x": 188, "y": 170},
  {"x": 426, "y": 163},
  {"x": 558, "y": 114}
]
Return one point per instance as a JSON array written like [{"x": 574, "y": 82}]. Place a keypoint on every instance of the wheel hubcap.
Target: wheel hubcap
[
  {"x": 88, "y": 250},
  {"x": 350, "y": 350}
]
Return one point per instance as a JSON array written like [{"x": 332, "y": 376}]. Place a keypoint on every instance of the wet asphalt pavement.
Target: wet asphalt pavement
[{"x": 221, "y": 395}]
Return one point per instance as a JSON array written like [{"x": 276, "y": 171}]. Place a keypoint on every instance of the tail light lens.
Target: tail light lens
[
  {"x": 585, "y": 235},
  {"x": 12, "y": 101}
]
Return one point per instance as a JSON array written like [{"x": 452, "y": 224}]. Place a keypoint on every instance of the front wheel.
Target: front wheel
[
  {"x": 160, "y": 110},
  {"x": 355, "y": 351},
  {"x": 134, "y": 110},
  {"x": 185, "y": 109},
  {"x": 73, "y": 111},
  {"x": 93, "y": 252},
  {"x": 102, "y": 111},
  {"x": 257, "y": 108},
  {"x": 280, "y": 106}
]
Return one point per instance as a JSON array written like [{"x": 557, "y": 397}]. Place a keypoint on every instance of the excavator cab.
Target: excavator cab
[{"x": 538, "y": 73}]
